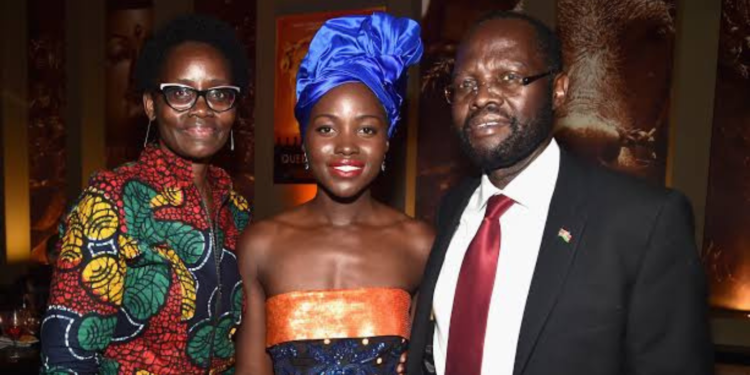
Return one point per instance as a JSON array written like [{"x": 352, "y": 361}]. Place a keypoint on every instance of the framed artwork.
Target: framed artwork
[
  {"x": 619, "y": 57},
  {"x": 726, "y": 236}
]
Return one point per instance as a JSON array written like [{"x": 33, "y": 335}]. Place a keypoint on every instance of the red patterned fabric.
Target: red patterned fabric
[{"x": 146, "y": 281}]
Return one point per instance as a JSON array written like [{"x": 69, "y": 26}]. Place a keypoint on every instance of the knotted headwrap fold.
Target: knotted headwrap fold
[{"x": 375, "y": 50}]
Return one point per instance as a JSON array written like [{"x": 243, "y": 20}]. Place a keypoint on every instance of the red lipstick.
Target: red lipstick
[{"x": 346, "y": 168}]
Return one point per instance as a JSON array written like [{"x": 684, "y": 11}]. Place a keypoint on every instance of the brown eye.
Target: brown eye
[
  {"x": 324, "y": 129},
  {"x": 467, "y": 85},
  {"x": 369, "y": 130},
  {"x": 179, "y": 94},
  {"x": 511, "y": 78},
  {"x": 222, "y": 95}
]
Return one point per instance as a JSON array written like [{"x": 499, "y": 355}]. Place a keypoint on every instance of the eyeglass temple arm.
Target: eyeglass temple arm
[{"x": 530, "y": 79}]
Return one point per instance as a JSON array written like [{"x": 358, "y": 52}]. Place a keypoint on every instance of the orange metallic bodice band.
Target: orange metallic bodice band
[{"x": 334, "y": 314}]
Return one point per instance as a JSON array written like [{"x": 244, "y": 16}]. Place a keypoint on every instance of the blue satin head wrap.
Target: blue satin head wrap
[{"x": 375, "y": 50}]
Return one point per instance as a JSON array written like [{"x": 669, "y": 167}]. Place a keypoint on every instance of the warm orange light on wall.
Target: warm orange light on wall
[
  {"x": 729, "y": 274},
  {"x": 736, "y": 297},
  {"x": 16, "y": 189},
  {"x": 302, "y": 193},
  {"x": 18, "y": 238},
  {"x": 13, "y": 123}
]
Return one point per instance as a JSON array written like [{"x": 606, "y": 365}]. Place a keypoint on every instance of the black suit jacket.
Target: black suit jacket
[{"x": 626, "y": 295}]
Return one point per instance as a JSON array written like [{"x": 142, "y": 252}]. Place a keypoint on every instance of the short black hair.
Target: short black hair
[
  {"x": 548, "y": 44},
  {"x": 191, "y": 28}
]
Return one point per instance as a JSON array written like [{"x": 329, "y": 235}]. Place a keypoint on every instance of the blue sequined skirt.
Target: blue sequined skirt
[{"x": 370, "y": 356}]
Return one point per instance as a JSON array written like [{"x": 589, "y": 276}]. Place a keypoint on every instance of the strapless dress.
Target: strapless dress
[{"x": 338, "y": 332}]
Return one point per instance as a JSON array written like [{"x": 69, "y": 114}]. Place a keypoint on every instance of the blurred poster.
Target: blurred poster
[
  {"x": 618, "y": 56},
  {"x": 440, "y": 161},
  {"x": 293, "y": 36},
  {"x": 726, "y": 236},
  {"x": 240, "y": 163},
  {"x": 46, "y": 129},
  {"x": 129, "y": 23}
]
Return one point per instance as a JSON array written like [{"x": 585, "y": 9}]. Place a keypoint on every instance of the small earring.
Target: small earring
[
  {"x": 304, "y": 155},
  {"x": 231, "y": 140},
  {"x": 382, "y": 166},
  {"x": 148, "y": 130}
]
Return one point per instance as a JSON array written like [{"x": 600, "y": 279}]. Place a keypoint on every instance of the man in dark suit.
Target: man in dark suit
[{"x": 545, "y": 264}]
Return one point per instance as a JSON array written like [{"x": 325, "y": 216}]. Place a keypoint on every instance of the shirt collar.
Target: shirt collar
[
  {"x": 532, "y": 188},
  {"x": 173, "y": 169}
]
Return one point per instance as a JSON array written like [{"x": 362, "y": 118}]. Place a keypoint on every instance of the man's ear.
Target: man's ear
[
  {"x": 559, "y": 89},
  {"x": 149, "y": 105}
]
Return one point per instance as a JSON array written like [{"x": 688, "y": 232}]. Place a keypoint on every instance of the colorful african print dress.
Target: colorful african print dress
[
  {"x": 146, "y": 282},
  {"x": 338, "y": 332}
]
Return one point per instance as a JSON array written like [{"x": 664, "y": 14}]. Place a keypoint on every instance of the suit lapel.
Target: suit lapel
[
  {"x": 567, "y": 213},
  {"x": 449, "y": 218}
]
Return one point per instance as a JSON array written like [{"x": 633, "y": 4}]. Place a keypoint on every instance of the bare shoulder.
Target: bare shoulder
[
  {"x": 420, "y": 235},
  {"x": 260, "y": 237},
  {"x": 416, "y": 234}
]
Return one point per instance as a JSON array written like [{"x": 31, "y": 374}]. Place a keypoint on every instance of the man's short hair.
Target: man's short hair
[
  {"x": 191, "y": 28},
  {"x": 548, "y": 44}
]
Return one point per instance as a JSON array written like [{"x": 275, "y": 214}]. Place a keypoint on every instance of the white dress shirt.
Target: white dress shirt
[{"x": 522, "y": 227}]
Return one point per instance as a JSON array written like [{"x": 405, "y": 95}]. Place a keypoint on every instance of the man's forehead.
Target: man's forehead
[
  {"x": 500, "y": 31},
  {"x": 509, "y": 40}
]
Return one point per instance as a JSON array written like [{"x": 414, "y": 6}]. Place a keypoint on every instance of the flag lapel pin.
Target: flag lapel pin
[{"x": 565, "y": 235}]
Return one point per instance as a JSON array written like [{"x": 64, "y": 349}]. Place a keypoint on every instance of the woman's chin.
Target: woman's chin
[
  {"x": 344, "y": 194},
  {"x": 195, "y": 152}
]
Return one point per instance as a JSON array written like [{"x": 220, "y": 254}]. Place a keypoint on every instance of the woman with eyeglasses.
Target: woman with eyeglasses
[
  {"x": 147, "y": 281},
  {"x": 330, "y": 283}
]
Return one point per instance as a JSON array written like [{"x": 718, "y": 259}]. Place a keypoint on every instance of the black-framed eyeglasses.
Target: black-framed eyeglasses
[
  {"x": 508, "y": 82},
  {"x": 183, "y": 97}
]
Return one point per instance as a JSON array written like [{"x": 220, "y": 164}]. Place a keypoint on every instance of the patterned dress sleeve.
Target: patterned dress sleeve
[
  {"x": 240, "y": 209},
  {"x": 87, "y": 286}
]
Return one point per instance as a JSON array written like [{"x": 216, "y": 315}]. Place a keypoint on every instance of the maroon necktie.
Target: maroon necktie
[{"x": 471, "y": 303}]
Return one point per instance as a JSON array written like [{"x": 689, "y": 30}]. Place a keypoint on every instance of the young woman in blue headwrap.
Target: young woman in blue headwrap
[{"x": 329, "y": 284}]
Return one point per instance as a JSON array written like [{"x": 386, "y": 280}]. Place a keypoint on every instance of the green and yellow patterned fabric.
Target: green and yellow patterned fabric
[{"x": 147, "y": 280}]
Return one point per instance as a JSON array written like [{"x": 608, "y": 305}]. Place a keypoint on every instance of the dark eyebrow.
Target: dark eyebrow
[
  {"x": 502, "y": 65},
  {"x": 516, "y": 64},
  {"x": 332, "y": 117},
  {"x": 186, "y": 82},
  {"x": 362, "y": 117},
  {"x": 218, "y": 82},
  {"x": 213, "y": 83},
  {"x": 455, "y": 74}
]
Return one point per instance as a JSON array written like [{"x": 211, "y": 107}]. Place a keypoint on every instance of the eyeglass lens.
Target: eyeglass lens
[{"x": 184, "y": 98}]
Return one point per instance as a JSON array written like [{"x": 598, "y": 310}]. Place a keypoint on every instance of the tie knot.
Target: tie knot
[{"x": 497, "y": 205}]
